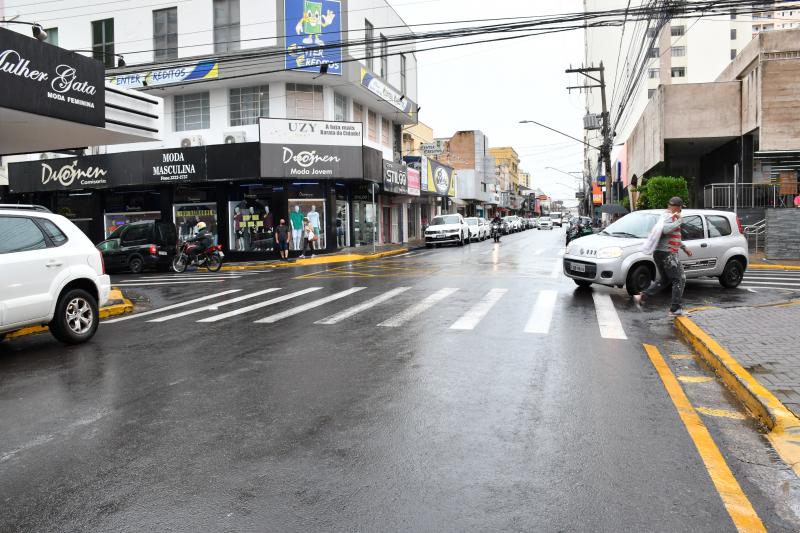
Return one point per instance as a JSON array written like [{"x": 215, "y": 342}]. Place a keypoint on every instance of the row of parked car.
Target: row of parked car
[{"x": 460, "y": 230}]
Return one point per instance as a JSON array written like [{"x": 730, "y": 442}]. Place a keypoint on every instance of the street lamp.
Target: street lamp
[{"x": 36, "y": 28}]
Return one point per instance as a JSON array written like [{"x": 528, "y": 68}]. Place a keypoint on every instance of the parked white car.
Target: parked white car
[
  {"x": 477, "y": 230},
  {"x": 446, "y": 229},
  {"x": 51, "y": 274},
  {"x": 486, "y": 227},
  {"x": 545, "y": 223},
  {"x": 613, "y": 257}
]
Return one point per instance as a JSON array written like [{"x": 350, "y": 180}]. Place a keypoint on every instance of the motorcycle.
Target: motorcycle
[
  {"x": 496, "y": 230},
  {"x": 577, "y": 231},
  {"x": 210, "y": 258}
]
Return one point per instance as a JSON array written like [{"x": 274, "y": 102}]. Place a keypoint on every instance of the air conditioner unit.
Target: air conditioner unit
[
  {"x": 194, "y": 140},
  {"x": 234, "y": 137},
  {"x": 591, "y": 121}
]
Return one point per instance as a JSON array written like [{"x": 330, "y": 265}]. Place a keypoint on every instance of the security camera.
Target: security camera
[{"x": 39, "y": 32}]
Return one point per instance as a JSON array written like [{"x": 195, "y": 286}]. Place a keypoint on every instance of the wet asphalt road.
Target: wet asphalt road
[{"x": 385, "y": 420}]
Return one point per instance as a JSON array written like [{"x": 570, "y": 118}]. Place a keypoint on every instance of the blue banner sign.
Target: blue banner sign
[
  {"x": 204, "y": 70},
  {"x": 313, "y": 29}
]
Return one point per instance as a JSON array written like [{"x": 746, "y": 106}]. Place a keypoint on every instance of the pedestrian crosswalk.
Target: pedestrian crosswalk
[
  {"x": 458, "y": 310},
  {"x": 154, "y": 280},
  {"x": 771, "y": 279}
]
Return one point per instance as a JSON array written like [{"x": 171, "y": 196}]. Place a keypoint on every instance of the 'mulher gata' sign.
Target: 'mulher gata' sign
[{"x": 39, "y": 78}]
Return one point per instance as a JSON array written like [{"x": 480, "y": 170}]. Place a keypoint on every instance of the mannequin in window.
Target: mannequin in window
[
  {"x": 237, "y": 228},
  {"x": 296, "y": 220},
  {"x": 313, "y": 218}
]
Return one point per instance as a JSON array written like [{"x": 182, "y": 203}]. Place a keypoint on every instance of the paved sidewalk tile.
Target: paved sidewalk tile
[{"x": 765, "y": 340}]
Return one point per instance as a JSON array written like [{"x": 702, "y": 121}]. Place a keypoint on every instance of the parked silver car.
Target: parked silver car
[{"x": 613, "y": 257}]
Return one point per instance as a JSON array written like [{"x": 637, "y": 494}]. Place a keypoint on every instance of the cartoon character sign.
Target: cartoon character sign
[{"x": 307, "y": 22}]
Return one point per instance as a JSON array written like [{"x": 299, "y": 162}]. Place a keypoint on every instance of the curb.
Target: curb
[
  {"x": 783, "y": 425},
  {"x": 117, "y": 305},
  {"x": 322, "y": 260}
]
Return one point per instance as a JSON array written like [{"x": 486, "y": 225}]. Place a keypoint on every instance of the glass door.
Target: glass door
[{"x": 342, "y": 224}]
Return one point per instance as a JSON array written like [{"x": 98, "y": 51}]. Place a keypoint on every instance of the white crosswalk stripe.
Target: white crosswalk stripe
[
  {"x": 421, "y": 307},
  {"x": 253, "y": 307},
  {"x": 310, "y": 305},
  {"x": 472, "y": 318},
  {"x": 607, "y": 317},
  {"x": 352, "y": 311},
  {"x": 155, "y": 283},
  {"x": 540, "y": 251},
  {"x": 170, "y": 307},
  {"x": 542, "y": 314},
  {"x": 214, "y": 306}
]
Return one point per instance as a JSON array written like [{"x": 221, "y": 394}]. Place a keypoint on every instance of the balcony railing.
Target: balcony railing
[{"x": 761, "y": 195}]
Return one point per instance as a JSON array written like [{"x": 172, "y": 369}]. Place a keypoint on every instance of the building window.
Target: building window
[
  {"x": 226, "y": 26},
  {"x": 384, "y": 57},
  {"x": 52, "y": 36},
  {"x": 733, "y": 54},
  {"x": 677, "y": 31},
  {"x": 247, "y": 104},
  {"x": 678, "y": 51},
  {"x": 651, "y": 33},
  {"x": 650, "y": 93},
  {"x": 103, "y": 41},
  {"x": 733, "y": 34},
  {"x": 339, "y": 107},
  {"x": 653, "y": 73},
  {"x": 358, "y": 115},
  {"x": 165, "y": 33},
  {"x": 733, "y": 15},
  {"x": 678, "y": 72},
  {"x": 653, "y": 53},
  {"x": 304, "y": 101},
  {"x": 386, "y": 128},
  {"x": 372, "y": 127},
  {"x": 403, "y": 74},
  {"x": 369, "y": 40},
  {"x": 192, "y": 112}
]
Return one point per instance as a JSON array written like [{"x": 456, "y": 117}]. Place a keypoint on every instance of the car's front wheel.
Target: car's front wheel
[
  {"x": 639, "y": 278},
  {"x": 76, "y": 317},
  {"x": 732, "y": 275}
]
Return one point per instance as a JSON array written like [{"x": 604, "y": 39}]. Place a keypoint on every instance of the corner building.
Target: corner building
[{"x": 256, "y": 106}]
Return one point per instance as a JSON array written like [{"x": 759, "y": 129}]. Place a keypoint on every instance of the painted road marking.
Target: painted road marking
[
  {"x": 682, "y": 356},
  {"x": 542, "y": 314},
  {"x": 540, "y": 251},
  {"x": 214, "y": 306},
  {"x": 169, "y": 307},
  {"x": 146, "y": 284},
  {"x": 694, "y": 379},
  {"x": 217, "y": 318},
  {"x": 722, "y": 413},
  {"x": 733, "y": 498},
  {"x": 607, "y": 317},
  {"x": 179, "y": 277},
  {"x": 310, "y": 305},
  {"x": 347, "y": 313},
  {"x": 421, "y": 307},
  {"x": 471, "y": 318},
  {"x": 750, "y": 282}
]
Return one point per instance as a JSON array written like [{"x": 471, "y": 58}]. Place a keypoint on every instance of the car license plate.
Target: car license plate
[
  {"x": 162, "y": 252},
  {"x": 440, "y": 236},
  {"x": 577, "y": 267}
]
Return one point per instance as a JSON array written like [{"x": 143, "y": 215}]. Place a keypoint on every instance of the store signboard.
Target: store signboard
[
  {"x": 174, "y": 166},
  {"x": 310, "y": 28},
  {"x": 43, "y": 79},
  {"x": 420, "y": 164},
  {"x": 200, "y": 71},
  {"x": 376, "y": 86},
  {"x": 440, "y": 179},
  {"x": 294, "y": 148},
  {"x": 413, "y": 181},
  {"x": 395, "y": 177},
  {"x": 433, "y": 148}
]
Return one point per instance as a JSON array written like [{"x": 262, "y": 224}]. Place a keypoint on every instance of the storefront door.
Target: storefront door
[
  {"x": 386, "y": 225},
  {"x": 342, "y": 224}
]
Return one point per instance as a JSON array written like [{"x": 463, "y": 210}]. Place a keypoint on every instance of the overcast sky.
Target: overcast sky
[{"x": 492, "y": 86}]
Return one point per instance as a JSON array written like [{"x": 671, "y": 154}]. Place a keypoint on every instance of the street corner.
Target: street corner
[
  {"x": 118, "y": 304},
  {"x": 753, "y": 352}
]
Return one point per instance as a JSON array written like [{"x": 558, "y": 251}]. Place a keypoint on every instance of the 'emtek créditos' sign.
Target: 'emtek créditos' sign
[
  {"x": 292, "y": 148},
  {"x": 39, "y": 78}
]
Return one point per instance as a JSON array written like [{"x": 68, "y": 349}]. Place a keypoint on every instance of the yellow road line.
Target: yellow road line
[
  {"x": 723, "y": 413},
  {"x": 694, "y": 379},
  {"x": 681, "y": 356},
  {"x": 733, "y": 497}
]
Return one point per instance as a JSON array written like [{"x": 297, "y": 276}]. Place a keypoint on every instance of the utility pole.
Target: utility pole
[{"x": 597, "y": 75}]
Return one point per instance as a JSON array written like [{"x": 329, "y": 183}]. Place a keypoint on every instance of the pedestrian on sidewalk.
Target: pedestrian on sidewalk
[
  {"x": 282, "y": 239},
  {"x": 669, "y": 243},
  {"x": 309, "y": 236}
]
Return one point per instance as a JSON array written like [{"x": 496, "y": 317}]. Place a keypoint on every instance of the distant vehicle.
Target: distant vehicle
[
  {"x": 26, "y": 207},
  {"x": 446, "y": 229},
  {"x": 486, "y": 227},
  {"x": 51, "y": 274},
  {"x": 477, "y": 231},
  {"x": 613, "y": 257},
  {"x": 150, "y": 244},
  {"x": 512, "y": 223},
  {"x": 556, "y": 218},
  {"x": 545, "y": 223}
]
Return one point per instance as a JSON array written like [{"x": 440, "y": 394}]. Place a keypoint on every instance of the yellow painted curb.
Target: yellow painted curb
[
  {"x": 784, "y": 426},
  {"x": 125, "y": 306},
  {"x": 761, "y": 266},
  {"x": 321, "y": 260}
]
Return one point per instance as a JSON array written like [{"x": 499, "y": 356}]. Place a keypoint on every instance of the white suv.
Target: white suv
[
  {"x": 50, "y": 273},
  {"x": 613, "y": 257}
]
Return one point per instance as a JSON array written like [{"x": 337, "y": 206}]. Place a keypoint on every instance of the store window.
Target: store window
[
  {"x": 252, "y": 222},
  {"x": 130, "y": 206},
  {"x": 192, "y": 112},
  {"x": 304, "y": 101},
  {"x": 373, "y": 125},
  {"x": 312, "y": 209},
  {"x": 77, "y": 207},
  {"x": 339, "y": 107},
  {"x": 247, "y": 104},
  {"x": 187, "y": 216},
  {"x": 114, "y": 221}
]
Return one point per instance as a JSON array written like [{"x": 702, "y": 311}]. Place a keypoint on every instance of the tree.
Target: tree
[{"x": 657, "y": 191}]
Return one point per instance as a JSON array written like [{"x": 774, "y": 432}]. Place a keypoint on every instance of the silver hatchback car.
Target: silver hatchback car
[{"x": 613, "y": 257}]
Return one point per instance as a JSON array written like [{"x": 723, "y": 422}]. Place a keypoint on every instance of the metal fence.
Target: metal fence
[{"x": 721, "y": 195}]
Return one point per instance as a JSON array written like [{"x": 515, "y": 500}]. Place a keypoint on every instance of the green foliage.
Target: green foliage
[{"x": 656, "y": 192}]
